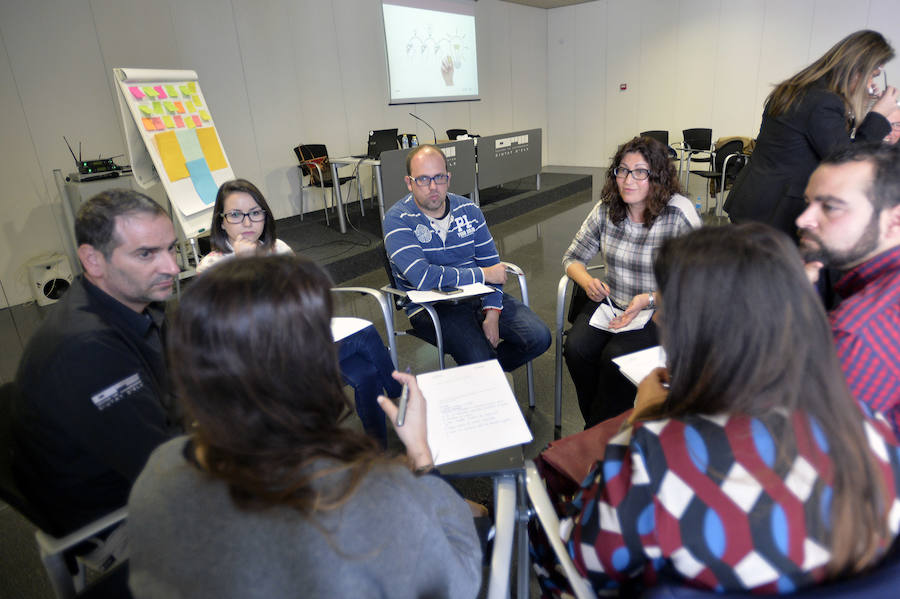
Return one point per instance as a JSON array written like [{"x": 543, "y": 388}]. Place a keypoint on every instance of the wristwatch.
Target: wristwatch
[{"x": 652, "y": 301}]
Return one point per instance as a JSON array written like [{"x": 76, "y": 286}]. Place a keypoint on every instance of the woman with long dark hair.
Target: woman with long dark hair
[
  {"x": 819, "y": 110},
  {"x": 748, "y": 465},
  {"x": 271, "y": 495},
  {"x": 243, "y": 225},
  {"x": 640, "y": 207}
]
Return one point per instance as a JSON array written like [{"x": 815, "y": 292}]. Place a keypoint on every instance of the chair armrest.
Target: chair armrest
[
  {"x": 386, "y": 313},
  {"x": 50, "y": 545},
  {"x": 393, "y": 291},
  {"x": 520, "y": 274}
]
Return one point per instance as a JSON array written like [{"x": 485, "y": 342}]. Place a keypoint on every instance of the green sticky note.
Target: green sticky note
[
  {"x": 204, "y": 115},
  {"x": 192, "y": 85},
  {"x": 185, "y": 90},
  {"x": 157, "y": 108},
  {"x": 188, "y": 106},
  {"x": 145, "y": 109},
  {"x": 150, "y": 91},
  {"x": 170, "y": 124},
  {"x": 196, "y": 101},
  {"x": 170, "y": 106},
  {"x": 170, "y": 89}
]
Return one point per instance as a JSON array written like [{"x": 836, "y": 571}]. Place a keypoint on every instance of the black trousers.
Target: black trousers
[{"x": 603, "y": 391}]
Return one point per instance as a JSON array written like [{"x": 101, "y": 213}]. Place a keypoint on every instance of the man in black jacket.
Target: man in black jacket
[{"x": 92, "y": 397}]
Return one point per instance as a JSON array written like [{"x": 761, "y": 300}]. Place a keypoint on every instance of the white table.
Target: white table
[{"x": 345, "y": 161}]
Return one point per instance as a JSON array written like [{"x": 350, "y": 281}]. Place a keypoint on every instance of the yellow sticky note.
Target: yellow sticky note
[
  {"x": 170, "y": 124},
  {"x": 196, "y": 101},
  {"x": 157, "y": 108},
  {"x": 189, "y": 122},
  {"x": 204, "y": 115},
  {"x": 145, "y": 109},
  {"x": 212, "y": 151},
  {"x": 189, "y": 106},
  {"x": 170, "y": 89},
  {"x": 150, "y": 91},
  {"x": 185, "y": 90},
  {"x": 192, "y": 85},
  {"x": 172, "y": 157}
]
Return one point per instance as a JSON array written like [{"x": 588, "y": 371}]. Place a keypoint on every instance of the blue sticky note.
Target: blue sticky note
[
  {"x": 190, "y": 144},
  {"x": 203, "y": 180}
]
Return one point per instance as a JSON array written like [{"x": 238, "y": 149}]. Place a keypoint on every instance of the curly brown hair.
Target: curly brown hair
[{"x": 663, "y": 180}]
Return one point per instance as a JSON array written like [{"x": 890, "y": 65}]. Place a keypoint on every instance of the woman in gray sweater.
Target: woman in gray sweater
[{"x": 270, "y": 496}]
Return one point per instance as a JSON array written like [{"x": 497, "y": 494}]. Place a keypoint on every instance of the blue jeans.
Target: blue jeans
[
  {"x": 366, "y": 366},
  {"x": 523, "y": 336}
]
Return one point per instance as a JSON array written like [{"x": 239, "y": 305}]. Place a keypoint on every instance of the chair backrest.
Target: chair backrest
[
  {"x": 9, "y": 488},
  {"x": 732, "y": 147},
  {"x": 309, "y": 153},
  {"x": 398, "y": 302},
  {"x": 698, "y": 139},
  {"x": 658, "y": 135},
  {"x": 454, "y": 133}
]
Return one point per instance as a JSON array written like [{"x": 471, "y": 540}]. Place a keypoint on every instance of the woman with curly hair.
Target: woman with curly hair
[{"x": 640, "y": 207}]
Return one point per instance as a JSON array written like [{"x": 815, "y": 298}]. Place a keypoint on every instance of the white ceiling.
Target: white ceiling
[{"x": 548, "y": 3}]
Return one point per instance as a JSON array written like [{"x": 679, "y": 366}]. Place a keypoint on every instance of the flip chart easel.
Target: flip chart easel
[{"x": 172, "y": 139}]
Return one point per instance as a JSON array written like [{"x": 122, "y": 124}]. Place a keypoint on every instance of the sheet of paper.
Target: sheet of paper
[
  {"x": 471, "y": 411},
  {"x": 344, "y": 326},
  {"x": 212, "y": 150},
  {"x": 172, "y": 157},
  {"x": 604, "y": 313},
  {"x": 190, "y": 145},
  {"x": 203, "y": 181},
  {"x": 419, "y": 297},
  {"x": 637, "y": 365}
]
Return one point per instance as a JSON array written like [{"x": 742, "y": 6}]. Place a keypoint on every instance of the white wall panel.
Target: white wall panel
[
  {"x": 591, "y": 86},
  {"x": 656, "y": 80},
  {"x": 623, "y": 64},
  {"x": 562, "y": 48}
]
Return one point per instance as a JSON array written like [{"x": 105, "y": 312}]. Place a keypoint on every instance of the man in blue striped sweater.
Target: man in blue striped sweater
[{"x": 436, "y": 239}]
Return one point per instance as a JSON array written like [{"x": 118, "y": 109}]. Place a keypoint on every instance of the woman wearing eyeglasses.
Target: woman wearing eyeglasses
[
  {"x": 243, "y": 225},
  {"x": 640, "y": 207},
  {"x": 807, "y": 117}
]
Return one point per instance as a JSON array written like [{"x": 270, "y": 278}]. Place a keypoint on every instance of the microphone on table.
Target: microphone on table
[{"x": 429, "y": 126}]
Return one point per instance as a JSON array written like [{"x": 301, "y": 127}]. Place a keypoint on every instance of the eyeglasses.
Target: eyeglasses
[
  {"x": 236, "y": 217},
  {"x": 638, "y": 174},
  {"x": 425, "y": 180}
]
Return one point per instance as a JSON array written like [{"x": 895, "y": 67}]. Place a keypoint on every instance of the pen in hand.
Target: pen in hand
[{"x": 404, "y": 399}]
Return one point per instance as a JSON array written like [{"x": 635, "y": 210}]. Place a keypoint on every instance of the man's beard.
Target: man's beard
[{"x": 841, "y": 259}]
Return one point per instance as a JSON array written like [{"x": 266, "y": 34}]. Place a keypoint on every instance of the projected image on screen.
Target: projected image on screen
[{"x": 431, "y": 52}]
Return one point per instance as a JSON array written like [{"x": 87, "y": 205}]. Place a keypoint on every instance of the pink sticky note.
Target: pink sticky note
[
  {"x": 179, "y": 122},
  {"x": 136, "y": 92},
  {"x": 158, "y": 123},
  {"x": 159, "y": 90},
  {"x": 197, "y": 121}
]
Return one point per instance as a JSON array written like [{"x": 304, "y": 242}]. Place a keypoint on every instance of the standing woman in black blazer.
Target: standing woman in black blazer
[{"x": 807, "y": 117}]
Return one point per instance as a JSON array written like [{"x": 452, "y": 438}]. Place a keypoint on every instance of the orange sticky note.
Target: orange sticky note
[
  {"x": 197, "y": 121},
  {"x": 149, "y": 125},
  {"x": 178, "y": 121},
  {"x": 159, "y": 123},
  {"x": 192, "y": 85},
  {"x": 159, "y": 92},
  {"x": 170, "y": 89},
  {"x": 170, "y": 124},
  {"x": 149, "y": 91},
  {"x": 189, "y": 122},
  {"x": 172, "y": 157},
  {"x": 212, "y": 151},
  {"x": 179, "y": 107},
  {"x": 204, "y": 115}
]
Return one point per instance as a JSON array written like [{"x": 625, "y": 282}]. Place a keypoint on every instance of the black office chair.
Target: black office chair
[
  {"x": 728, "y": 160},
  {"x": 314, "y": 164},
  {"x": 452, "y": 134},
  {"x": 663, "y": 138},
  {"x": 67, "y": 574}
]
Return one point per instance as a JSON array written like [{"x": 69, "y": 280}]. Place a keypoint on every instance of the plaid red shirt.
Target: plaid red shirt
[{"x": 867, "y": 333}]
